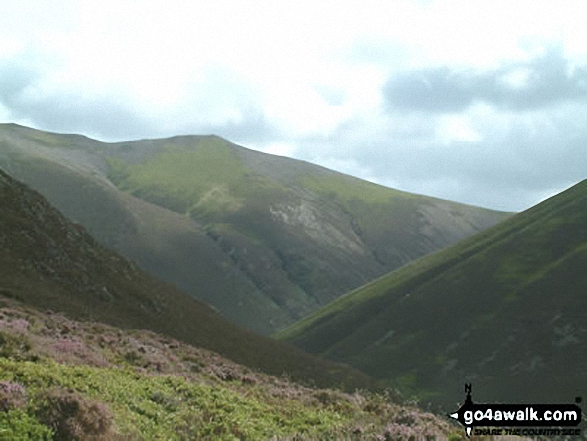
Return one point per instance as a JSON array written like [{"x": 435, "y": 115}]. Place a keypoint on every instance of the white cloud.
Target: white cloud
[
  {"x": 312, "y": 80},
  {"x": 456, "y": 128},
  {"x": 279, "y": 149}
]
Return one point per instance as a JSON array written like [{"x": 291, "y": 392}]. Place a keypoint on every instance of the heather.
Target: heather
[{"x": 63, "y": 379}]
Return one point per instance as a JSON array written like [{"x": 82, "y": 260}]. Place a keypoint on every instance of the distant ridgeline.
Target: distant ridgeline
[{"x": 264, "y": 239}]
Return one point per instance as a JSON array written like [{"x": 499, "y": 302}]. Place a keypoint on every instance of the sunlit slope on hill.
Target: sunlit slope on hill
[
  {"x": 50, "y": 263},
  {"x": 264, "y": 239},
  {"x": 505, "y": 309}
]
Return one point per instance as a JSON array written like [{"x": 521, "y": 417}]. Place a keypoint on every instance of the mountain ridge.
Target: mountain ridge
[{"x": 265, "y": 239}]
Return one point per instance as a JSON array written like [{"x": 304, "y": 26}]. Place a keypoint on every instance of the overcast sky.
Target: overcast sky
[{"x": 483, "y": 102}]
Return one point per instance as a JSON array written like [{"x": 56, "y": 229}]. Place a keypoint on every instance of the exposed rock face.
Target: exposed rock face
[{"x": 314, "y": 224}]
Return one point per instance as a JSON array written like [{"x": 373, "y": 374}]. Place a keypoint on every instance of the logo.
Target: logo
[{"x": 518, "y": 419}]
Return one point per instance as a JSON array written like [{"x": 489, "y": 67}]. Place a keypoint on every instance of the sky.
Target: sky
[{"x": 481, "y": 102}]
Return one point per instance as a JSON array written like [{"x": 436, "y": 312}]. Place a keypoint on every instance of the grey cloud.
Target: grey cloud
[
  {"x": 14, "y": 79},
  {"x": 375, "y": 51},
  {"x": 332, "y": 95},
  {"x": 97, "y": 117},
  {"x": 254, "y": 128},
  {"x": 111, "y": 115},
  {"x": 101, "y": 116},
  {"x": 222, "y": 91},
  {"x": 511, "y": 168},
  {"x": 442, "y": 90},
  {"x": 432, "y": 90}
]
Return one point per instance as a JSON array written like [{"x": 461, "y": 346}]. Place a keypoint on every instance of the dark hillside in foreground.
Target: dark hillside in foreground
[
  {"x": 505, "y": 309},
  {"x": 48, "y": 262},
  {"x": 264, "y": 239}
]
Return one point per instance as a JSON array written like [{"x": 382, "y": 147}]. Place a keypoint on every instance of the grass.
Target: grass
[
  {"x": 379, "y": 213},
  {"x": 347, "y": 188},
  {"x": 203, "y": 179},
  {"x": 501, "y": 289},
  {"x": 112, "y": 384},
  {"x": 164, "y": 406},
  {"x": 299, "y": 236},
  {"x": 217, "y": 184},
  {"x": 50, "y": 263},
  {"x": 49, "y": 139},
  {"x": 172, "y": 246},
  {"x": 183, "y": 179}
]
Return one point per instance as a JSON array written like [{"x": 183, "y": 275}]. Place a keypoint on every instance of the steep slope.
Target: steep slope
[
  {"x": 47, "y": 262},
  {"x": 505, "y": 309},
  {"x": 170, "y": 246},
  {"x": 264, "y": 239},
  {"x": 89, "y": 381}
]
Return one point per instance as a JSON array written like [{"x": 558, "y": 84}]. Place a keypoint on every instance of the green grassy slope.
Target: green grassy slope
[
  {"x": 47, "y": 262},
  {"x": 266, "y": 240},
  {"x": 505, "y": 309},
  {"x": 303, "y": 233}
]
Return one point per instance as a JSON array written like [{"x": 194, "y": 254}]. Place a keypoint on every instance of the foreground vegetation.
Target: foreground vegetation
[{"x": 62, "y": 379}]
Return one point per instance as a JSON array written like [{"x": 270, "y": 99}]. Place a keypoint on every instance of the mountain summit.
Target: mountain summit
[{"x": 266, "y": 240}]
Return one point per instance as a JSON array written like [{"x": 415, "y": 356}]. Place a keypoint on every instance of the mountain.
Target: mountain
[
  {"x": 264, "y": 239},
  {"x": 82, "y": 379},
  {"x": 49, "y": 263},
  {"x": 505, "y": 309}
]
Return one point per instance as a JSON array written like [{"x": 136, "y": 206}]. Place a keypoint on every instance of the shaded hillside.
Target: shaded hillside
[
  {"x": 170, "y": 246},
  {"x": 264, "y": 239},
  {"x": 505, "y": 309},
  {"x": 47, "y": 262},
  {"x": 89, "y": 381}
]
